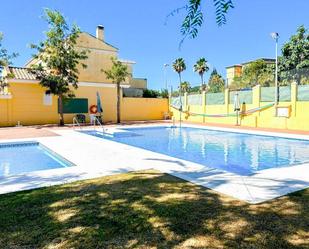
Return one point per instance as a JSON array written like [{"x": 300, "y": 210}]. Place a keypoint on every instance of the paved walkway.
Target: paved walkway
[{"x": 25, "y": 132}]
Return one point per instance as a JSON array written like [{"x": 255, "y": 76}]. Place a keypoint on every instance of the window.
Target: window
[{"x": 47, "y": 98}]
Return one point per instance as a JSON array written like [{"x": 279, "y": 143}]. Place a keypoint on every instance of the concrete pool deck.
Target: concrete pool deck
[{"x": 95, "y": 157}]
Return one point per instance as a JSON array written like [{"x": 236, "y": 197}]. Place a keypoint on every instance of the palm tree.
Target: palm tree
[
  {"x": 118, "y": 74},
  {"x": 185, "y": 86},
  {"x": 179, "y": 66},
  {"x": 201, "y": 67}
]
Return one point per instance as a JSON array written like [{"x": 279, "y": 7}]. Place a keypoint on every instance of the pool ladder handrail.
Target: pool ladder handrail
[
  {"x": 75, "y": 122},
  {"x": 96, "y": 120}
]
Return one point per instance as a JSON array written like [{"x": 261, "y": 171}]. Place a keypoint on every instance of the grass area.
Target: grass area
[{"x": 148, "y": 209}]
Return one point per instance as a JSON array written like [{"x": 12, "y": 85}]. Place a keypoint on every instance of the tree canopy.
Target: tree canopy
[
  {"x": 179, "y": 65},
  {"x": 118, "y": 72},
  {"x": 201, "y": 68},
  {"x": 57, "y": 58},
  {"x": 5, "y": 60},
  {"x": 294, "y": 62},
  {"x": 216, "y": 82},
  {"x": 254, "y": 73},
  {"x": 5, "y": 56},
  {"x": 194, "y": 17},
  {"x": 185, "y": 86}
]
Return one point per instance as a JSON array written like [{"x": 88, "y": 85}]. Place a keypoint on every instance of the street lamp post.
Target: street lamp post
[
  {"x": 165, "y": 66},
  {"x": 275, "y": 36}
]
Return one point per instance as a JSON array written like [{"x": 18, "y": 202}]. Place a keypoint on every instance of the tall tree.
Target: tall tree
[
  {"x": 294, "y": 62},
  {"x": 118, "y": 74},
  {"x": 185, "y": 86},
  {"x": 257, "y": 72},
  {"x": 58, "y": 58},
  {"x": 179, "y": 66},
  {"x": 5, "y": 61},
  {"x": 201, "y": 68},
  {"x": 216, "y": 82}
]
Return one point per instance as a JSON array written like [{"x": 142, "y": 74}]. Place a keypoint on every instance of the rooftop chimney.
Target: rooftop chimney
[{"x": 100, "y": 32}]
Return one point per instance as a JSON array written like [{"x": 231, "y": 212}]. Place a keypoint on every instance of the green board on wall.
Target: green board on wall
[{"x": 75, "y": 105}]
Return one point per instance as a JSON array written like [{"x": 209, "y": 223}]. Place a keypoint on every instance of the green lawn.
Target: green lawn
[{"x": 148, "y": 209}]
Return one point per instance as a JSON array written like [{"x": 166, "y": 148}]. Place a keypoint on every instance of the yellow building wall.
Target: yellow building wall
[
  {"x": 5, "y": 110},
  {"x": 99, "y": 59},
  {"x": 298, "y": 120},
  {"x": 26, "y": 105},
  {"x": 96, "y": 63},
  {"x": 143, "y": 108}
]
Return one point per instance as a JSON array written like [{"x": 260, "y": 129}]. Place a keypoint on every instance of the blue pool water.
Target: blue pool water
[
  {"x": 243, "y": 154},
  {"x": 17, "y": 158}
]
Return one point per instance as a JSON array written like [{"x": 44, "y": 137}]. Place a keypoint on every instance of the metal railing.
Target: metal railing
[
  {"x": 97, "y": 121},
  {"x": 75, "y": 122}
]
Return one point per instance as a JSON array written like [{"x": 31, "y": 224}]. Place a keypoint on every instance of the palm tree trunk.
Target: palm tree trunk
[
  {"x": 202, "y": 80},
  {"x": 180, "y": 93},
  {"x": 180, "y": 89},
  {"x": 61, "y": 121},
  {"x": 118, "y": 103}
]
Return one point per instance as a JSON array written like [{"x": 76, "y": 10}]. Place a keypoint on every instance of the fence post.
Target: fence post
[
  {"x": 294, "y": 98},
  {"x": 227, "y": 99},
  {"x": 204, "y": 104},
  {"x": 256, "y": 97},
  {"x": 256, "y": 101}
]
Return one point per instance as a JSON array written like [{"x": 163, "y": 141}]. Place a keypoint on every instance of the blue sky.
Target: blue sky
[{"x": 138, "y": 29}]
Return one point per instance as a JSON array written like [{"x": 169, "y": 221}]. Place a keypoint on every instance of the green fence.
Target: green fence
[
  {"x": 244, "y": 97},
  {"x": 303, "y": 93},
  {"x": 195, "y": 99},
  {"x": 285, "y": 93},
  {"x": 268, "y": 94},
  {"x": 215, "y": 98},
  {"x": 175, "y": 101}
]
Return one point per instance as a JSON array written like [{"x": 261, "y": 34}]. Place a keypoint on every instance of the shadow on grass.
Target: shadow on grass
[{"x": 148, "y": 210}]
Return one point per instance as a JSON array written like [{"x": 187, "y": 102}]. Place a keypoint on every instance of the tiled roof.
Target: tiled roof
[{"x": 22, "y": 73}]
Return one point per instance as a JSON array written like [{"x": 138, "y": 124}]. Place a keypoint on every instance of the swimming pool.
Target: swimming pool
[
  {"x": 243, "y": 154},
  {"x": 22, "y": 157}
]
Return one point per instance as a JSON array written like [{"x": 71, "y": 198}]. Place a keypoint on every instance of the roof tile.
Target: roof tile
[{"x": 22, "y": 73}]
